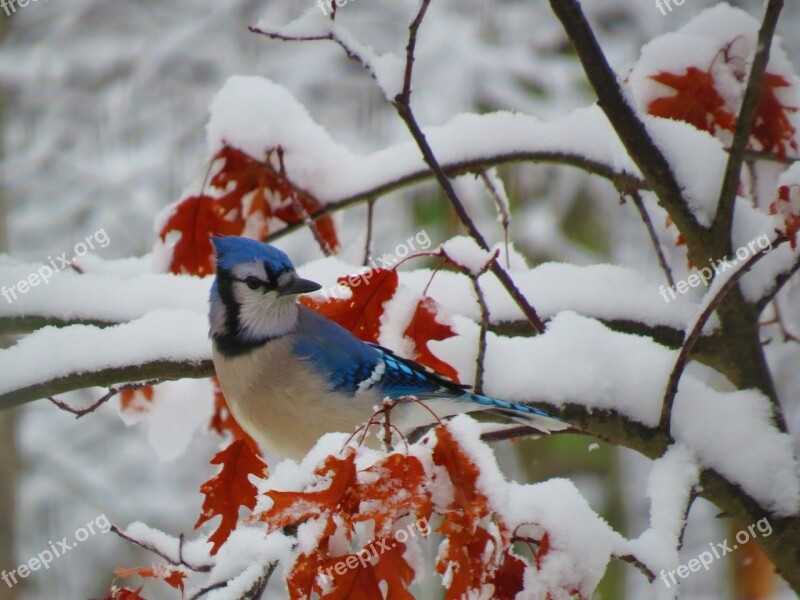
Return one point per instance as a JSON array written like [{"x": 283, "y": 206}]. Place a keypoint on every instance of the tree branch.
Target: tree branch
[
  {"x": 81, "y": 412},
  {"x": 157, "y": 370},
  {"x": 463, "y": 167},
  {"x": 694, "y": 334},
  {"x": 630, "y": 129},
  {"x": 402, "y": 104},
  {"x": 179, "y": 562},
  {"x": 723, "y": 220},
  {"x": 780, "y": 281}
]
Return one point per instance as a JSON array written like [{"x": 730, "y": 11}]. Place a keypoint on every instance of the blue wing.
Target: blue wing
[
  {"x": 353, "y": 366},
  {"x": 347, "y": 361}
]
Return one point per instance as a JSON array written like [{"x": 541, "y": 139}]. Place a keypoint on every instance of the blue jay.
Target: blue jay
[{"x": 291, "y": 375}]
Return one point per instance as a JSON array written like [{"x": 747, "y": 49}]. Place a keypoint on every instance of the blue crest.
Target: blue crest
[{"x": 233, "y": 250}]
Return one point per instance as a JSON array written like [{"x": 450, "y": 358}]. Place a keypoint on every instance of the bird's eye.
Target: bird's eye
[{"x": 253, "y": 282}]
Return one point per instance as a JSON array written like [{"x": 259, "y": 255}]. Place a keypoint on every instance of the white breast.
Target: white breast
[{"x": 282, "y": 403}]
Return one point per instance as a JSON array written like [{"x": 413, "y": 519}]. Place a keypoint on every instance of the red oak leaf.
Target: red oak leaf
[
  {"x": 695, "y": 101},
  {"x": 323, "y": 228},
  {"x": 116, "y": 593},
  {"x": 772, "y": 127},
  {"x": 170, "y": 575},
  {"x": 230, "y": 488},
  {"x": 787, "y": 206},
  {"x": 137, "y": 400},
  {"x": 361, "y": 313},
  {"x": 197, "y": 218},
  {"x": 509, "y": 579},
  {"x": 424, "y": 328},
  {"x": 294, "y": 507},
  {"x": 391, "y": 489},
  {"x": 363, "y": 582},
  {"x": 245, "y": 176}
]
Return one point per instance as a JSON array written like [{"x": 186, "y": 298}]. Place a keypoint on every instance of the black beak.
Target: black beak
[{"x": 297, "y": 285}]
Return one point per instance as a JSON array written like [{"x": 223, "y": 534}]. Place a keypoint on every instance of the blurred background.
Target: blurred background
[{"x": 102, "y": 112}]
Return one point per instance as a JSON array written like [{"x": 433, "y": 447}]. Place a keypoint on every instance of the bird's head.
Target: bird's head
[{"x": 253, "y": 298}]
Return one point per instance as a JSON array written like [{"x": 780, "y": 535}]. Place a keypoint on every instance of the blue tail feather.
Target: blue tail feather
[{"x": 511, "y": 406}]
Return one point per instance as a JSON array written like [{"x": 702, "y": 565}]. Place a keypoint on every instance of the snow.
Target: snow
[
  {"x": 554, "y": 506},
  {"x": 113, "y": 295},
  {"x": 194, "y": 552},
  {"x": 81, "y": 348},
  {"x": 715, "y": 426},
  {"x": 387, "y": 69},
  {"x": 251, "y": 546},
  {"x": 602, "y": 291},
  {"x": 698, "y": 161},
  {"x": 670, "y": 484},
  {"x": 398, "y": 312},
  {"x": 733, "y": 434},
  {"x": 753, "y": 231},
  {"x": 179, "y": 411},
  {"x": 516, "y": 368},
  {"x": 527, "y": 369},
  {"x": 242, "y": 116},
  {"x": 465, "y": 252}
]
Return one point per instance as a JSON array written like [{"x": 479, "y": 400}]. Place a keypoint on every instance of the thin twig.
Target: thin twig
[
  {"x": 689, "y": 501},
  {"x": 512, "y": 432},
  {"x": 462, "y": 167},
  {"x": 768, "y": 156},
  {"x": 780, "y": 281},
  {"x": 747, "y": 114},
  {"x": 632, "y": 560},
  {"x": 694, "y": 334},
  {"x": 113, "y": 391},
  {"x": 370, "y": 222},
  {"x": 402, "y": 104},
  {"x": 484, "y": 328},
  {"x": 178, "y": 563},
  {"x": 301, "y": 211},
  {"x": 502, "y": 208},
  {"x": 203, "y": 591},
  {"x": 330, "y": 36},
  {"x": 636, "y": 197}
]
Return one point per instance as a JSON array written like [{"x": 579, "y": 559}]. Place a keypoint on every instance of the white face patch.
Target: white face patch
[
  {"x": 262, "y": 314},
  {"x": 252, "y": 269}
]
